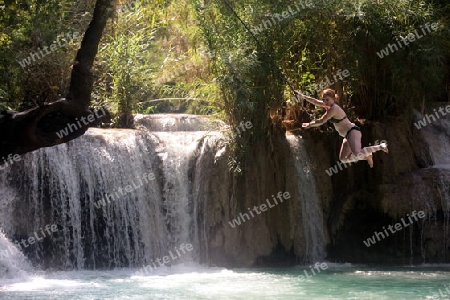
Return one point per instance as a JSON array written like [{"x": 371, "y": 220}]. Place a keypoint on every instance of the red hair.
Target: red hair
[{"x": 330, "y": 93}]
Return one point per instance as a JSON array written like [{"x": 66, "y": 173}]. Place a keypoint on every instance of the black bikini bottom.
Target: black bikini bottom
[{"x": 353, "y": 128}]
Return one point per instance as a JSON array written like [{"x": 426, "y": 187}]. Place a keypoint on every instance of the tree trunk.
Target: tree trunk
[{"x": 22, "y": 132}]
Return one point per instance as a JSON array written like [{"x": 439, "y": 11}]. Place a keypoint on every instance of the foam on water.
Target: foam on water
[
  {"x": 195, "y": 282},
  {"x": 12, "y": 262}
]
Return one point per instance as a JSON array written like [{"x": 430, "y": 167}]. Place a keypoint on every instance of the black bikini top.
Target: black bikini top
[{"x": 334, "y": 120}]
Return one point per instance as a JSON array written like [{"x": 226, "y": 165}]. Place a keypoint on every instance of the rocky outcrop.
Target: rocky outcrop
[
  {"x": 222, "y": 196},
  {"x": 355, "y": 203},
  {"x": 288, "y": 231},
  {"x": 414, "y": 176}
]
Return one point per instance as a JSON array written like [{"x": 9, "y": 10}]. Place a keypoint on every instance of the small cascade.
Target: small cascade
[
  {"x": 176, "y": 150},
  {"x": 12, "y": 261},
  {"x": 311, "y": 210},
  {"x": 100, "y": 191},
  {"x": 435, "y": 135},
  {"x": 202, "y": 174},
  {"x": 179, "y": 138},
  {"x": 177, "y": 122}
]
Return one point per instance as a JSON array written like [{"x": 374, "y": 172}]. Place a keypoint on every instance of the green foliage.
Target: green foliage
[
  {"x": 348, "y": 35},
  {"x": 26, "y": 27},
  {"x": 122, "y": 64},
  {"x": 152, "y": 52},
  {"x": 316, "y": 42},
  {"x": 313, "y": 43},
  {"x": 403, "y": 79},
  {"x": 146, "y": 41},
  {"x": 249, "y": 80},
  {"x": 199, "y": 51}
]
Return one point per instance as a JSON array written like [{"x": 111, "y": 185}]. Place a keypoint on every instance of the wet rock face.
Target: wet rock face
[
  {"x": 223, "y": 197},
  {"x": 432, "y": 140},
  {"x": 414, "y": 176},
  {"x": 287, "y": 225},
  {"x": 355, "y": 203}
]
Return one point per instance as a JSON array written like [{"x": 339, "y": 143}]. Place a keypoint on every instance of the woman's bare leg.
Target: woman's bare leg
[
  {"x": 354, "y": 140},
  {"x": 346, "y": 151},
  {"x": 372, "y": 149},
  {"x": 366, "y": 152}
]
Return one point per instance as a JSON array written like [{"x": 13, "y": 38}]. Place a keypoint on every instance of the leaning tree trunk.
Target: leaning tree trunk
[{"x": 22, "y": 132}]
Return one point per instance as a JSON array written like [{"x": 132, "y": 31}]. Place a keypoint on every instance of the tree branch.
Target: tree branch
[
  {"x": 81, "y": 82},
  {"x": 22, "y": 132}
]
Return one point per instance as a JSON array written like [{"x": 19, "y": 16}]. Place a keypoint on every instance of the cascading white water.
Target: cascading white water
[
  {"x": 312, "y": 216},
  {"x": 12, "y": 261},
  {"x": 178, "y": 138},
  {"x": 124, "y": 198},
  {"x": 65, "y": 185},
  {"x": 118, "y": 197},
  {"x": 176, "y": 149},
  {"x": 436, "y": 136}
]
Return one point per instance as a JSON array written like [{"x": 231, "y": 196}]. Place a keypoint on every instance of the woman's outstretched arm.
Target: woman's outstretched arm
[
  {"x": 319, "y": 122},
  {"x": 311, "y": 99}
]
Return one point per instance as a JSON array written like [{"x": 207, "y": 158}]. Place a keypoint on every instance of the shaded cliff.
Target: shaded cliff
[
  {"x": 415, "y": 176},
  {"x": 289, "y": 232},
  {"x": 355, "y": 203}
]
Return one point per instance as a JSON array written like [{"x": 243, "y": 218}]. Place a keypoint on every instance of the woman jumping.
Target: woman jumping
[{"x": 351, "y": 145}]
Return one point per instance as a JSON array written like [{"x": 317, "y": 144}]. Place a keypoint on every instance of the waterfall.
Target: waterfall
[
  {"x": 435, "y": 136},
  {"x": 179, "y": 138},
  {"x": 311, "y": 210},
  {"x": 12, "y": 261},
  {"x": 92, "y": 190},
  {"x": 118, "y": 198},
  {"x": 124, "y": 198}
]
